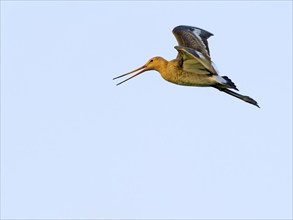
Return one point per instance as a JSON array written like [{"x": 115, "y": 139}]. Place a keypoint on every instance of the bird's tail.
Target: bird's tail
[
  {"x": 229, "y": 82},
  {"x": 239, "y": 96},
  {"x": 224, "y": 82}
]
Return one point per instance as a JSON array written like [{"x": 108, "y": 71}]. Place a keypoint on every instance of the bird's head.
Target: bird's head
[{"x": 155, "y": 63}]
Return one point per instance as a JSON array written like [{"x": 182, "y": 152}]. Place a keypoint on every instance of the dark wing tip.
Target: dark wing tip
[
  {"x": 201, "y": 32},
  {"x": 193, "y": 37}
]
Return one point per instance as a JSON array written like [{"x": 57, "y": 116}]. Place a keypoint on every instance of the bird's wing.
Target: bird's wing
[
  {"x": 193, "y": 37},
  {"x": 195, "y": 61}
]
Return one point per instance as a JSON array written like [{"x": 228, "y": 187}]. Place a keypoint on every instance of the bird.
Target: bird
[{"x": 192, "y": 66}]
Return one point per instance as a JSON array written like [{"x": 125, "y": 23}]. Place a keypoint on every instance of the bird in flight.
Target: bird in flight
[{"x": 193, "y": 65}]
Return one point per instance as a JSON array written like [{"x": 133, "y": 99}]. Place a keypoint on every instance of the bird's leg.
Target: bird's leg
[{"x": 239, "y": 96}]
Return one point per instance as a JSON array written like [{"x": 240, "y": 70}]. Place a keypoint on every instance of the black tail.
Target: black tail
[
  {"x": 230, "y": 83},
  {"x": 239, "y": 96}
]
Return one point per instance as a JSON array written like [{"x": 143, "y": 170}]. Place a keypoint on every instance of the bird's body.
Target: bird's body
[
  {"x": 193, "y": 65},
  {"x": 172, "y": 72}
]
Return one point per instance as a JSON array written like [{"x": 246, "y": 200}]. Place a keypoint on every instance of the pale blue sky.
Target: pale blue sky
[{"x": 73, "y": 145}]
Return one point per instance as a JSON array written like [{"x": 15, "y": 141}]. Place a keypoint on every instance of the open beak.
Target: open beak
[{"x": 143, "y": 69}]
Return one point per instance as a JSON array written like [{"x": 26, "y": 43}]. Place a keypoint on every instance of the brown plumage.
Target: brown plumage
[{"x": 193, "y": 65}]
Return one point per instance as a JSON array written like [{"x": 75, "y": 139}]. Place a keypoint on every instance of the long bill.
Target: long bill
[{"x": 143, "y": 70}]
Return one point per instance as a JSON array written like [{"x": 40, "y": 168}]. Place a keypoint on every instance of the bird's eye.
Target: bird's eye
[{"x": 151, "y": 61}]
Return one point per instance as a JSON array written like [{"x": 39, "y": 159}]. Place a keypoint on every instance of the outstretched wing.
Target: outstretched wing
[
  {"x": 195, "y": 61},
  {"x": 194, "y": 38}
]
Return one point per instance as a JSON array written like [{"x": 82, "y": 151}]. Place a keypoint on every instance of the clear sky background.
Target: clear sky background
[{"x": 74, "y": 145}]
